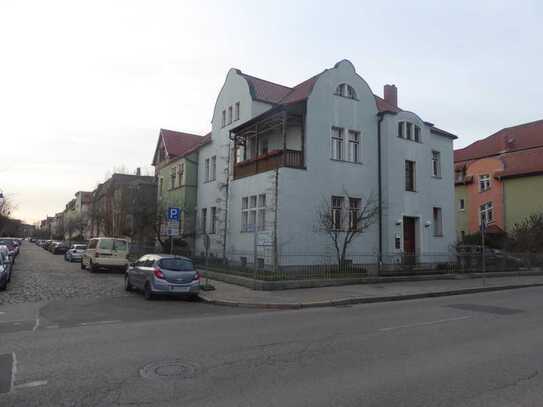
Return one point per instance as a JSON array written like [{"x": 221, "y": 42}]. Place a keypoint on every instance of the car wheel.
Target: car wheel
[
  {"x": 4, "y": 286},
  {"x": 127, "y": 285},
  {"x": 147, "y": 293},
  {"x": 92, "y": 267}
]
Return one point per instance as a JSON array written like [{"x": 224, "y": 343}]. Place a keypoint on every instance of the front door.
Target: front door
[{"x": 409, "y": 248}]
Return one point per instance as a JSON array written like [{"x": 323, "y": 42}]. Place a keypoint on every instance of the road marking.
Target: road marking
[
  {"x": 13, "y": 371},
  {"x": 32, "y": 384},
  {"x": 100, "y": 322},
  {"x": 439, "y": 321}
]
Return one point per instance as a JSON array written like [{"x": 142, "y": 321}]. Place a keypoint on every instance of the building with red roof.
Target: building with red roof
[{"x": 499, "y": 179}]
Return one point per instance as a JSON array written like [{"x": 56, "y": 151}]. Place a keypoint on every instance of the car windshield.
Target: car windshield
[
  {"x": 106, "y": 244},
  {"x": 80, "y": 246},
  {"x": 176, "y": 264}
]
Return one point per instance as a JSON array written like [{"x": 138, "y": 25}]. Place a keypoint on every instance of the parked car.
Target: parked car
[
  {"x": 163, "y": 274},
  {"x": 13, "y": 249},
  {"x": 59, "y": 248},
  {"x": 75, "y": 253},
  {"x": 105, "y": 252},
  {"x": 5, "y": 267}
]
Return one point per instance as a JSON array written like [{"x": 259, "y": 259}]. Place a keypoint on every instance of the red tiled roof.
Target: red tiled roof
[
  {"x": 522, "y": 162},
  {"x": 384, "y": 106},
  {"x": 178, "y": 144},
  {"x": 301, "y": 91},
  {"x": 265, "y": 91},
  {"x": 509, "y": 139}
]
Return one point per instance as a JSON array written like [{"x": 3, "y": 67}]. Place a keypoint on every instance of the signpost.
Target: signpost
[{"x": 172, "y": 228}]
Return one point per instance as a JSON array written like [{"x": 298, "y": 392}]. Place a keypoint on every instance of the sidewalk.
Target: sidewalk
[{"x": 234, "y": 295}]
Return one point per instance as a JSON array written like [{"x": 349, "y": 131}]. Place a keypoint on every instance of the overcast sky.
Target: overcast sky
[{"x": 85, "y": 86}]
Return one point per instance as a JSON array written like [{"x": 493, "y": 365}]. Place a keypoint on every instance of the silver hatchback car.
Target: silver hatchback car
[{"x": 163, "y": 274}]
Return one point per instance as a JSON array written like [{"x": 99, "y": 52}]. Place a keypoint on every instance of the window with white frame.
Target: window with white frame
[
  {"x": 461, "y": 204},
  {"x": 336, "y": 210},
  {"x": 206, "y": 170},
  {"x": 204, "y": 220},
  {"x": 409, "y": 131},
  {"x": 417, "y": 134},
  {"x": 213, "y": 215},
  {"x": 438, "y": 222},
  {"x": 261, "y": 212},
  {"x": 244, "y": 213},
  {"x": 486, "y": 213},
  {"x": 237, "y": 111},
  {"x": 229, "y": 114},
  {"x": 354, "y": 213},
  {"x": 213, "y": 171},
  {"x": 337, "y": 143},
  {"x": 252, "y": 211},
  {"x": 436, "y": 164},
  {"x": 346, "y": 91},
  {"x": 180, "y": 174},
  {"x": 401, "y": 129},
  {"x": 410, "y": 174},
  {"x": 340, "y": 90},
  {"x": 223, "y": 121},
  {"x": 353, "y": 150},
  {"x": 172, "y": 177},
  {"x": 484, "y": 182}
]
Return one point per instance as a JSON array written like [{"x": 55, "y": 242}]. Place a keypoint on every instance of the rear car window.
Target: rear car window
[
  {"x": 106, "y": 244},
  {"x": 121, "y": 245},
  {"x": 80, "y": 246},
  {"x": 92, "y": 244},
  {"x": 176, "y": 264}
]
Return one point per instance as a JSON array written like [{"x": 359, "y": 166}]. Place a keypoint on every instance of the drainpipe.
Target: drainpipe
[{"x": 380, "y": 183}]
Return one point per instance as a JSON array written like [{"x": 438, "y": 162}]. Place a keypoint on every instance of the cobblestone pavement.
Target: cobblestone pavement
[{"x": 41, "y": 276}]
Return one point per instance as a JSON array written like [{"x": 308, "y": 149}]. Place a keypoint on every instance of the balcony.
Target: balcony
[{"x": 269, "y": 161}]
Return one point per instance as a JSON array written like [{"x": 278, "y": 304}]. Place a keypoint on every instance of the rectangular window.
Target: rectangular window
[
  {"x": 461, "y": 204},
  {"x": 459, "y": 176},
  {"x": 484, "y": 182},
  {"x": 204, "y": 220},
  {"x": 409, "y": 130},
  {"x": 252, "y": 202},
  {"x": 438, "y": 222},
  {"x": 180, "y": 173},
  {"x": 213, "y": 214},
  {"x": 354, "y": 146},
  {"x": 206, "y": 170},
  {"x": 401, "y": 126},
  {"x": 354, "y": 213},
  {"x": 244, "y": 213},
  {"x": 337, "y": 143},
  {"x": 237, "y": 111},
  {"x": 337, "y": 207},
  {"x": 436, "y": 164},
  {"x": 417, "y": 134},
  {"x": 223, "y": 121},
  {"x": 486, "y": 214},
  {"x": 213, "y": 175},
  {"x": 261, "y": 212},
  {"x": 409, "y": 175},
  {"x": 229, "y": 114},
  {"x": 172, "y": 177}
]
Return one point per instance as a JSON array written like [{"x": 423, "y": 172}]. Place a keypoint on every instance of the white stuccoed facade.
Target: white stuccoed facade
[{"x": 300, "y": 192}]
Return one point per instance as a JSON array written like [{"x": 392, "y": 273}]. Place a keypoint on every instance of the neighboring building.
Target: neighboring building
[
  {"x": 124, "y": 206},
  {"x": 277, "y": 153},
  {"x": 500, "y": 179},
  {"x": 76, "y": 219},
  {"x": 176, "y": 170}
]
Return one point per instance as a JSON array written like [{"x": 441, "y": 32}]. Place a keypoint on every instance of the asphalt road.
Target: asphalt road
[{"x": 471, "y": 350}]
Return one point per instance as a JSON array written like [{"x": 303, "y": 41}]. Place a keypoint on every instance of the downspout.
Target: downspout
[
  {"x": 379, "y": 193},
  {"x": 226, "y": 204}
]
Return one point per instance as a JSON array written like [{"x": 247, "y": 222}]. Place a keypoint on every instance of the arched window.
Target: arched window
[{"x": 346, "y": 91}]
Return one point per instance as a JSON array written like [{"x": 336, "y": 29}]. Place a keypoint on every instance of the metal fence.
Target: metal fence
[{"x": 327, "y": 266}]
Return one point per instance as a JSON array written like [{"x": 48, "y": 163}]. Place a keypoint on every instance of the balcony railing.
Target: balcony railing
[{"x": 269, "y": 161}]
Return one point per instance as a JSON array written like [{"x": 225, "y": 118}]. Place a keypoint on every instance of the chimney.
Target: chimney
[
  {"x": 138, "y": 171},
  {"x": 390, "y": 94}
]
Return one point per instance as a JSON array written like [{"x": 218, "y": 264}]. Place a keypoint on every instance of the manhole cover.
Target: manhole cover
[{"x": 168, "y": 369}]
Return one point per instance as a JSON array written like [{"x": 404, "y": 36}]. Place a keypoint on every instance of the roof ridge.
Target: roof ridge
[
  {"x": 181, "y": 132},
  {"x": 265, "y": 80},
  {"x": 521, "y": 125}
]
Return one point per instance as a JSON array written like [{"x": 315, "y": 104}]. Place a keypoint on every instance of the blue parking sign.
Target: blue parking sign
[{"x": 173, "y": 213}]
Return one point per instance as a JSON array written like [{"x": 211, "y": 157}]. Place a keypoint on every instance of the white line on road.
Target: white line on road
[
  {"x": 100, "y": 322},
  {"x": 13, "y": 371},
  {"x": 32, "y": 384},
  {"x": 439, "y": 321}
]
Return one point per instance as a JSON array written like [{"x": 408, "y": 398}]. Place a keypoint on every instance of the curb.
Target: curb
[{"x": 364, "y": 300}]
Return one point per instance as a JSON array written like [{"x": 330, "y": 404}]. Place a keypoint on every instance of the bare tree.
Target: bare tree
[{"x": 345, "y": 218}]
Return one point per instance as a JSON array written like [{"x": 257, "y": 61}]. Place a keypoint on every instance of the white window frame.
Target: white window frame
[
  {"x": 180, "y": 174},
  {"x": 336, "y": 208},
  {"x": 437, "y": 221},
  {"x": 223, "y": 120},
  {"x": 206, "y": 170},
  {"x": 484, "y": 182},
  {"x": 414, "y": 175},
  {"x": 355, "y": 205},
  {"x": 261, "y": 207},
  {"x": 244, "y": 213},
  {"x": 401, "y": 130},
  {"x": 237, "y": 111},
  {"x": 213, "y": 220},
  {"x": 353, "y": 146},
  {"x": 436, "y": 164},
  {"x": 213, "y": 171},
  {"x": 230, "y": 114},
  {"x": 461, "y": 205},
  {"x": 337, "y": 140},
  {"x": 484, "y": 211},
  {"x": 204, "y": 221}
]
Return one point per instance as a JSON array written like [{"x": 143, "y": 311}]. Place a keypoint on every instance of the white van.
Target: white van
[{"x": 107, "y": 252}]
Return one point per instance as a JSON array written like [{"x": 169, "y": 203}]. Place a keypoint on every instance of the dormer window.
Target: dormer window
[{"x": 346, "y": 91}]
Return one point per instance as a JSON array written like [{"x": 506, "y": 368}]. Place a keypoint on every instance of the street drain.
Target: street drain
[{"x": 174, "y": 369}]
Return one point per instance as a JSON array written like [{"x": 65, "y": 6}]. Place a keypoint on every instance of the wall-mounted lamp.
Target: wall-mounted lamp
[
  {"x": 398, "y": 222},
  {"x": 427, "y": 224}
]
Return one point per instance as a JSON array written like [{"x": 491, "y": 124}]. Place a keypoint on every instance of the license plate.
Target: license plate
[{"x": 179, "y": 289}]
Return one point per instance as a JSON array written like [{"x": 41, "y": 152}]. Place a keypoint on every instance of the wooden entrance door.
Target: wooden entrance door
[{"x": 409, "y": 247}]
